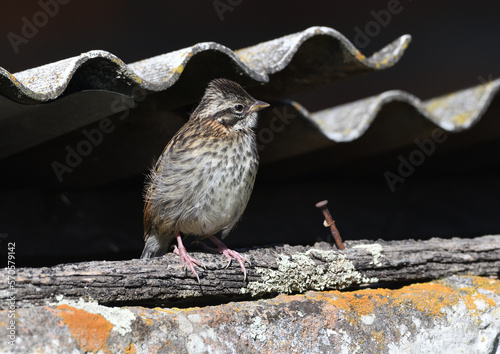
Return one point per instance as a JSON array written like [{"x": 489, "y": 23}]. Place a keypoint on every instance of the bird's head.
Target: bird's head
[{"x": 228, "y": 104}]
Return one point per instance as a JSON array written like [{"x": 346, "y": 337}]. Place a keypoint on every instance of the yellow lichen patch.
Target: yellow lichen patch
[
  {"x": 89, "y": 330},
  {"x": 14, "y": 80},
  {"x": 471, "y": 297},
  {"x": 244, "y": 58},
  {"x": 360, "y": 56},
  {"x": 385, "y": 61},
  {"x": 462, "y": 118},
  {"x": 137, "y": 79},
  {"x": 429, "y": 298},
  {"x": 148, "y": 321},
  {"x": 477, "y": 303},
  {"x": 171, "y": 311},
  {"x": 180, "y": 69},
  {"x": 117, "y": 61},
  {"x": 176, "y": 310},
  {"x": 361, "y": 302},
  {"x": 486, "y": 284},
  {"x": 380, "y": 339},
  {"x": 439, "y": 103}
]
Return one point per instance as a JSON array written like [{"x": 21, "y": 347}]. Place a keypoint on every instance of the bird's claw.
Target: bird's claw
[
  {"x": 188, "y": 261},
  {"x": 230, "y": 254}
]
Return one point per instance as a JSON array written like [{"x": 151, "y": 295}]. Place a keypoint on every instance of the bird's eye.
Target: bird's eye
[{"x": 238, "y": 108}]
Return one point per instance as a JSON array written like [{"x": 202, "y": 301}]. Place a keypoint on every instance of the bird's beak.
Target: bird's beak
[{"x": 258, "y": 105}]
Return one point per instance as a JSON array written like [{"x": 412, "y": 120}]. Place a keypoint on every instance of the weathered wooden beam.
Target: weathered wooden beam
[{"x": 276, "y": 269}]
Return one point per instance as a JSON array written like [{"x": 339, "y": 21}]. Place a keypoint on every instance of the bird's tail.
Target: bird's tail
[{"x": 154, "y": 247}]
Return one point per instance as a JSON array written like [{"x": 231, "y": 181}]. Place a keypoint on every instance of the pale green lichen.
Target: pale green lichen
[
  {"x": 367, "y": 319},
  {"x": 461, "y": 331},
  {"x": 375, "y": 250},
  {"x": 299, "y": 273},
  {"x": 258, "y": 329},
  {"x": 198, "y": 337}
]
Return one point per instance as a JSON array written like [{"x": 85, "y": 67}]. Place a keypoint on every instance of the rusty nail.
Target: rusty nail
[{"x": 329, "y": 222}]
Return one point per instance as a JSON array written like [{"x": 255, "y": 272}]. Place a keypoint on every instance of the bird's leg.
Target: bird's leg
[
  {"x": 186, "y": 259},
  {"x": 222, "y": 248},
  {"x": 206, "y": 247}
]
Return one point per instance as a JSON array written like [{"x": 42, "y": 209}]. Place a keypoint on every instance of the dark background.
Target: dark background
[{"x": 454, "y": 46}]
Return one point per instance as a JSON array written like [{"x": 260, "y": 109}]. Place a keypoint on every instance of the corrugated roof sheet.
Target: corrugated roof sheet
[
  {"x": 321, "y": 55},
  {"x": 80, "y": 91},
  {"x": 315, "y": 48},
  {"x": 453, "y": 112}
]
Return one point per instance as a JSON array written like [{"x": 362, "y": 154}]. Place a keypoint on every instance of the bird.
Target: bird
[{"x": 202, "y": 182}]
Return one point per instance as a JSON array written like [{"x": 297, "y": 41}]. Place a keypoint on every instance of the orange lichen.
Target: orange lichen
[
  {"x": 13, "y": 78},
  {"x": 137, "y": 79},
  {"x": 361, "y": 302},
  {"x": 130, "y": 349},
  {"x": 144, "y": 316},
  {"x": 360, "y": 56},
  {"x": 147, "y": 321},
  {"x": 91, "y": 331},
  {"x": 428, "y": 298},
  {"x": 380, "y": 339},
  {"x": 470, "y": 295},
  {"x": 117, "y": 61},
  {"x": 285, "y": 298},
  {"x": 175, "y": 310},
  {"x": 485, "y": 283}
]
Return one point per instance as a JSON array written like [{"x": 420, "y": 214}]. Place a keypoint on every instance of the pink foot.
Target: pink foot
[
  {"x": 230, "y": 254},
  {"x": 186, "y": 259}
]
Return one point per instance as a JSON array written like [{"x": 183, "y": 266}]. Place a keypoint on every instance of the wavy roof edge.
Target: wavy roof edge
[
  {"x": 452, "y": 112},
  {"x": 158, "y": 73},
  {"x": 455, "y": 112}
]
